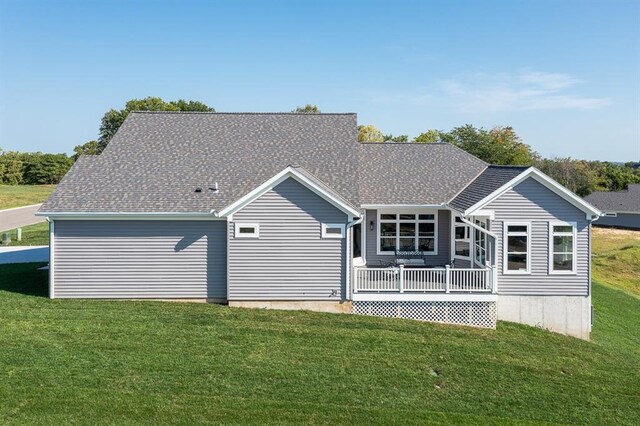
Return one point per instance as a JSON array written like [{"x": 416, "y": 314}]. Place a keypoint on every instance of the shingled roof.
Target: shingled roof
[
  {"x": 620, "y": 201},
  {"x": 157, "y": 159},
  {"x": 492, "y": 178},
  {"x": 417, "y": 173}
]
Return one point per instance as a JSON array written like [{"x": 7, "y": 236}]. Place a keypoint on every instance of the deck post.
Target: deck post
[
  {"x": 401, "y": 278},
  {"x": 447, "y": 278}
]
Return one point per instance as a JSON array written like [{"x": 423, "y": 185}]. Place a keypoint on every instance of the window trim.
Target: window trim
[
  {"x": 483, "y": 222},
  {"x": 255, "y": 226},
  {"x": 468, "y": 231},
  {"x": 574, "y": 234},
  {"x": 505, "y": 248},
  {"x": 417, "y": 221},
  {"x": 341, "y": 226},
  {"x": 359, "y": 261}
]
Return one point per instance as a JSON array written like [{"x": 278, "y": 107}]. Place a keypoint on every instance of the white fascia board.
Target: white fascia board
[
  {"x": 285, "y": 174},
  {"x": 403, "y": 206},
  {"x": 546, "y": 181},
  {"x": 127, "y": 216}
]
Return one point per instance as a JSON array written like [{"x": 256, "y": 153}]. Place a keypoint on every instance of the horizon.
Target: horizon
[{"x": 565, "y": 76}]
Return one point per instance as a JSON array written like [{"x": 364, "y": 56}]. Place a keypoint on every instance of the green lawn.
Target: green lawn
[
  {"x": 110, "y": 362},
  {"x": 32, "y": 235},
  {"x": 616, "y": 258},
  {"x": 23, "y": 195}
]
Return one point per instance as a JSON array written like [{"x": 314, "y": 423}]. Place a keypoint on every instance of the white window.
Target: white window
[
  {"x": 407, "y": 232},
  {"x": 462, "y": 236},
  {"x": 247, "y": 230},
  {"x": 517, "y": 248},
  {"x": 480, "y": 243},
  {"x": 333, "y": 230},
  {"x": 562, "y": 248}
]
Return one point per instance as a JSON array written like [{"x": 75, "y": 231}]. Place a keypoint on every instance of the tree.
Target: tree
[
  {"x": 89, "y": 148},
  {"x": 307, "y": 109},
  {"x": 501, "y": 145},
  {"x": 10, "y": 168},
  {"x": 113, "y": 119},
  {"x": 369, "y": 133},
  {"x": 40, "y": 169},
  {"x": 430, "y": 136},
  {"x": 396, "y": 139}
]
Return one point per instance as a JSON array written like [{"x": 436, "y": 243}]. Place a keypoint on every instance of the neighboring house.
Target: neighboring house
[
  {"x": 291, "y": 211},
  {"x": 619, "y": 209}
]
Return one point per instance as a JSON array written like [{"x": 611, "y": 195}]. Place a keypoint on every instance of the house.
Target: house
[
  {"x": 291, "y": 211},
  {"x": 620, "y": 209}
]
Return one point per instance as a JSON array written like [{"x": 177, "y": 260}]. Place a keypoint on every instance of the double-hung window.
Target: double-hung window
[
  {"x": 562, "y": 248},
  {"x": 407, "y": 232},
  {"x": 517, "y": 248}
]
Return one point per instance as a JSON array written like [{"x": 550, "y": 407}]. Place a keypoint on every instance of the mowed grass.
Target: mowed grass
[
  {"x": 616, "y": 258},
  {"x": 32, "y": 235},
  {"x": 23, "y": 195},
  {"x": 126, "y": 362}
]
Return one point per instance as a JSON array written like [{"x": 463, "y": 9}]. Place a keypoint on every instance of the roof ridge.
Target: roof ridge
[{"x": 240, "y": 113}]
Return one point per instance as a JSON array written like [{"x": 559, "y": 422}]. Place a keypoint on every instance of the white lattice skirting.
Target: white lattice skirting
[{"x": 476, "y": 314}]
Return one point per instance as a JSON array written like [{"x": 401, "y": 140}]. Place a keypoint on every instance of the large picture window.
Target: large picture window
[
  {"x": 562, "y": 250},
  {"x": 517, "y": 243},
  {"x": 407, "y": 232}
]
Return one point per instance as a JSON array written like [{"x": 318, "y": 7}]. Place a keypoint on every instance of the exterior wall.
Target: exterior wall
[
  {"x": 623, "y": 220},
  {"x": 569, "y": 315},
  {"x": 140, "y": 259},
  {"x": 532, "y": 202},
  {"x": 444, "y": 240},
  {"x": 289, "y": 260}
]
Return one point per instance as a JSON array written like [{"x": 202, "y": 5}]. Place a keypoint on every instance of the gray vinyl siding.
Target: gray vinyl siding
[
  {"x": 443, "y": 240},
  {"x": 623, "y": 220},
  {"x": 139, "y": 259},
  {"x": 289, "y": 260},
  {"x": 532, "y": 202}
]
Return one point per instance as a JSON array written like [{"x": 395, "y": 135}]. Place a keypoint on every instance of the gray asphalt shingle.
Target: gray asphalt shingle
[
  {"x": 157, "y": 159},
  {"x": 492, "y": 178},
  {"x": 620, "y": 201}
]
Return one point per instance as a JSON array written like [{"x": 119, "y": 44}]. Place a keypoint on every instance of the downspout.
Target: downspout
[{"x": 348, "y": 255}]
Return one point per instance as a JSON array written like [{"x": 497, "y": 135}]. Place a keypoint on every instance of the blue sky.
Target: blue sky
[{"x": 564, "y": 74}]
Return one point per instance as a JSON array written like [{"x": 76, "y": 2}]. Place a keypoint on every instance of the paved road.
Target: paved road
[
  {"x": 24, "y": 254},
  {"x": 18, "y": 217}
]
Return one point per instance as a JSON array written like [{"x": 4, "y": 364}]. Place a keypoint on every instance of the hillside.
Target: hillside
[{"x": 101, "y": 362}]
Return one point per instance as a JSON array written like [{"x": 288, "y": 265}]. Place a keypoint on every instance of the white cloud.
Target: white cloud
[{"x": 484, "y": 93}]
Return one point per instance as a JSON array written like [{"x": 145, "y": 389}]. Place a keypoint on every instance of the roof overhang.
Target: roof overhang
[
  {"x": 128, "y": 215},
  {"x": 546, "y": 181},
  {"x": 293, "y": 173}
]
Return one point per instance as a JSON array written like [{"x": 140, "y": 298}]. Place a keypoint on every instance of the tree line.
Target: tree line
[{"x": 499, "y": 145}]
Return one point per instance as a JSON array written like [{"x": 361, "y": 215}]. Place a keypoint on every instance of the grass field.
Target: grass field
[
  {"x": 110, "y": 362},
  {"x": 23, "y": 195},
  {"x": 616, "y": 258},
  {"x": 32, "y": 235}
]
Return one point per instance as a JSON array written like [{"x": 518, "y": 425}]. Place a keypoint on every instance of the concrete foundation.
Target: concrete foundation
[
  {"x": 570, "y": 315},
  {"x": 293, "y": 305}
]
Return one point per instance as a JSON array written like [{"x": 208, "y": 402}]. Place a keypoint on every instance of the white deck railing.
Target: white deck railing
[{"x": 422, "y": 280}]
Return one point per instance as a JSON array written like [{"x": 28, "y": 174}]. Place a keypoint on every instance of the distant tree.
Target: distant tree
[
  {"x": 369, "y": 133},
  {"x": 10, "y": 168},
  {"x": 430, "y": 136},
  {"x": 39, "y": 168},
  {"x": 576, "y": 175},
  {"x": 89, "y": 148},
  {"x": 396, "y": 139},
  {"x": 307, "y": 109},
  {"x": 113, "y": 119},
  {"x": 501, "y": 145}
]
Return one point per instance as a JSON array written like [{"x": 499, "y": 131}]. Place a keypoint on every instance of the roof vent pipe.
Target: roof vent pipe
[{"x": 214, "y": 188}]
